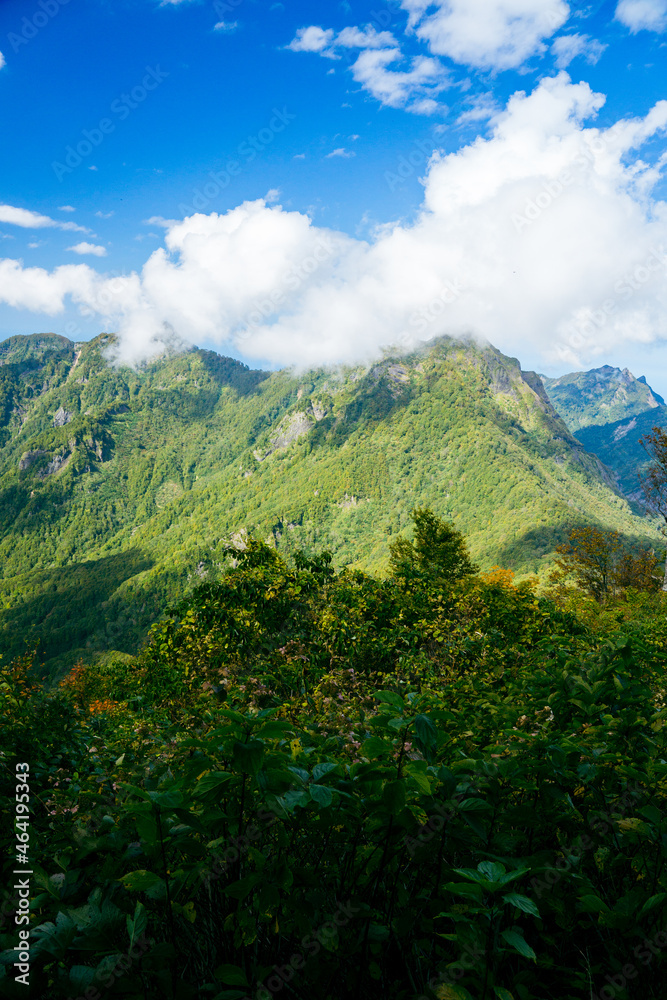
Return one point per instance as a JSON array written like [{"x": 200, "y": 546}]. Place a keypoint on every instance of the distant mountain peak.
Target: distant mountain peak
[
  {"x": 609, "y": 410},
  {"x": 600, "y": 396}
]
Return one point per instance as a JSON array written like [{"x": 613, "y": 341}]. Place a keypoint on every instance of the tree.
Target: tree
[
  {"x": 438, "y": 551},
  {"x": 653, "y": 479},
  {"x": 590, "y": 555},
  {"x": 602, "y": 564},
  {"x": 639, "y": 569}
]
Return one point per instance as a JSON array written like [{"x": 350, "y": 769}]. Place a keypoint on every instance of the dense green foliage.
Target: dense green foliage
[
  {"x": 120, "y": 488},
  {"x": 363, "y": 790}
]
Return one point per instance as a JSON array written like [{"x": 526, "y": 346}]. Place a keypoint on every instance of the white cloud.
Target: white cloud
[
  {"x": 312, "y": 39},
  {"x": 66, "y": 208},
  {"x": 2, "y": 60},
  {"x": 487, "y": 34},
  {"x": 374, "y": 68},
  {"x": 33, "y": 246},
  {"x": 636, "y": 15},
  {"x": 89, "y": 248},
  {"x": 159, "y": 220},
  {"x": 34, "y": 220},
  {"x": 568, "y": 47},
  {"x": 394, "y": 88},
  {"x": 545, "y": 238},
  {"x": 226, "y": 26},
  {"x": 341, "y": 152},
  {"x": 364, "y": 38},
  {"x": 103, "y": 215},
  {"x": 479, "y": 108}
]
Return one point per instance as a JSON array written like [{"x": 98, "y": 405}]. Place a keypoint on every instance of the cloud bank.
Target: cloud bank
[{"x": 545, "y": 237}]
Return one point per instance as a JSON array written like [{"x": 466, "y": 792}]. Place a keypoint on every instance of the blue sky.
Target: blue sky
[{"x": 324, "y": 181}]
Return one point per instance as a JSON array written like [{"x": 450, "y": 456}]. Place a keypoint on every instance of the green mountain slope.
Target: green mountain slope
[
  {"x": 609, "y": 410},
  {"x": 119, "y": 489}
]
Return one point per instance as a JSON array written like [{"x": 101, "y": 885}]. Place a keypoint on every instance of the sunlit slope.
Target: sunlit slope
[{"x": 120, "y": 488}]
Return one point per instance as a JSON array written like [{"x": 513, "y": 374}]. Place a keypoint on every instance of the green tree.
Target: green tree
[
  {"x": 654, "y": 478},
  {"x": 590, "y": 555},
  {"x": 438, "y": 551}
]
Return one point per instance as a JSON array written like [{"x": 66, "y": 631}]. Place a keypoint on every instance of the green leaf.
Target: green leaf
[
  {"x": 321, "y": 794},
  {"x": 232, "y": 975},
  {"x": 517, "y": 941},
  {"x": 465, "y": 889},
  {"x": 474, "y": 805},
  {"x": 146, "y": 828},
  {"x": 390, "y": 698},
  {"x": 522, "y": 903},
  {"x": 416, "y": 769},
  {"x": 320, "y": 770},
  {"x": 398, "y": 723},
  {"x": 140, "y": 880},
  {"x": 211, "y": 782},
  {"x": 244, "y": 886},
  {"x": 136, "y": 925},
  {"x": 502, "y": 993},
  {"x": 81, "y": 977},
  {"x": 275, "y": 729},
  {"x": 393, "y": 796},
  {"x": 168, "y": 799},
  {"x": 375, "y": 747},
  {"x": 593, "y": 904},
  {"x": 248, "y": 756},
  {"x": 426, "y": 731},
  {"x": 447, "y": 992},
  {"x": 652, "y": 902},
  {"x": 493, "y": 870}
]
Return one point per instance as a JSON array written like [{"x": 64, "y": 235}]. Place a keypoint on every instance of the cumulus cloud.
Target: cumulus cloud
[
  {"x": 341, "y": 152},
  {"x": 34, "y": 220},
  {"x": 89, "y": 248},
  {"x": 375, "y": 68},
  {"x": 486, "y": 34},
  {"x": 544, "y": 237},
  {"x": 226, "y": 26},
  {"x": 312, "y": 39},
  {"x": 568, "y": 47},
  {"x": 650, "y": 15},
  {"x": 396, "y": 88},
  {"x": 66, "y": 208},
  {"x": 2, "y": 60}
]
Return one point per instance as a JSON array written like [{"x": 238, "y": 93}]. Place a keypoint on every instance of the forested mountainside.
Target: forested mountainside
[
  {"x": 120, "y": 488},
  {"x": 608, "y": 410}
]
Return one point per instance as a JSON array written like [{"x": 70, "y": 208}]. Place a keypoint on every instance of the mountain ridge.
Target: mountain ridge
[
  {"x": 119, "y": 487},
  {"x": 609, "y": 410}
]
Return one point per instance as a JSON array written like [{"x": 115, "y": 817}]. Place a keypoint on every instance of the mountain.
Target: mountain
[
  {"x": 609, "y": 410},
  {"x": 120, "y": 488}
]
